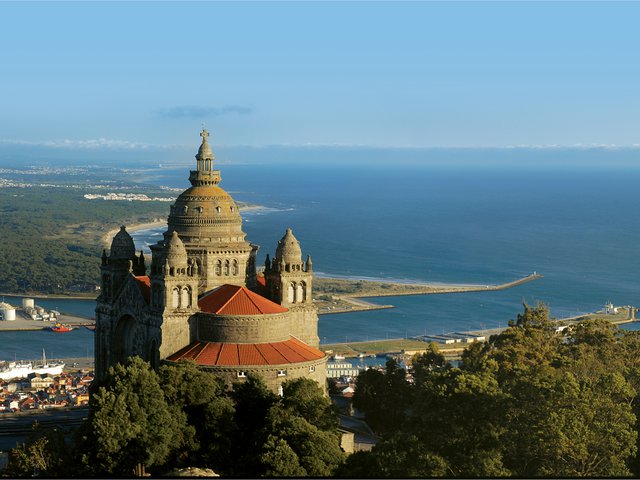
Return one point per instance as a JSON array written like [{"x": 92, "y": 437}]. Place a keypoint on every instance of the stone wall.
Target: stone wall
[
  {"x": 243, "y": 329},
  {"x": 273, "y": 374},
  {"x": 304, "y": 324}
]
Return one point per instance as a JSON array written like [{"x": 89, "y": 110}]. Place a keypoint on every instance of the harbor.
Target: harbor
[
  {"x": 33, "y": 316},
  {"x": 25, "y": 324}
]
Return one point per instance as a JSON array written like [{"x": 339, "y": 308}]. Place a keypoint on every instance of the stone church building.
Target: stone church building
[{"x": 201, "y": 298}]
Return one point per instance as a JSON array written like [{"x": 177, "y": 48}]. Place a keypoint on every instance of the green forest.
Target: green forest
[
  {"x": 531, "y": 402},
  {"x": 51, "y": 236},
  {"x": 143, "y": 421}
]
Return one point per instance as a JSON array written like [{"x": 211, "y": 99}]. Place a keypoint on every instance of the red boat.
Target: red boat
[{"x": 59, "y": 328}]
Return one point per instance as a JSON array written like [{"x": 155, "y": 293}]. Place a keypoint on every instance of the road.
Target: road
[{"x": 15, "y": 428}]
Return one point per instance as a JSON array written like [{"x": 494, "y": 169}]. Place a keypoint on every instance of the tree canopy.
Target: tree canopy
[
  {"x": 530, "y": 402},
  {"x": 183, "y": 416}
]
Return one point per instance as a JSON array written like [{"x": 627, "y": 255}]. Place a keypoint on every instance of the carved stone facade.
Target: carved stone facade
[{"x": 203, "y": 294}]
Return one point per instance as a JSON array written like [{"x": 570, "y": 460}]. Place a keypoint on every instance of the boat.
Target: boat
[
  {"x": 22, "y": 368},
  {"x": 60, "y": 328},
  {"x": 51, "y": 368},
  {"x": 90, "y": 327},
  {"x": 16, "y": 370}
]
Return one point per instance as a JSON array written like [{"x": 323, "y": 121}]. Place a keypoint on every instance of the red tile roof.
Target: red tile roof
[
  {"x": 261, "y": 285},
  {"x": 237, "y": 300},
  {"x": 144, "y": 284},
  {"x": 239, "y": 354}
]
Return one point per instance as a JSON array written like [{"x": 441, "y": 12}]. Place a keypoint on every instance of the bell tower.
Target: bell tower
[
  {"x": 289, "y": 282},
  {"x": 174, "y": 293},
  {"x": 123, "y": 327}
]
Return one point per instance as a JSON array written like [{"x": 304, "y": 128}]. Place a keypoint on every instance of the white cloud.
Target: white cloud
[{"x": 88, "y": 144}]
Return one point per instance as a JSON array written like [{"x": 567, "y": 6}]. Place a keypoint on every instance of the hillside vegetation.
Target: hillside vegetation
[{"x": 51, "y": 236}]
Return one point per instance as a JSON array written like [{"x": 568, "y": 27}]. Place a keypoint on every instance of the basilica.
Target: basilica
[{"x": 203, "y": 298}]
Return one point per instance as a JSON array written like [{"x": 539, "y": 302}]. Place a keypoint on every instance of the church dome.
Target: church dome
[
  {"x": 205, "y": 213},
  {"x": 176, "y": 254},
  {"x": 289, "y": 249},
  {"x": 122, "y": 246}
]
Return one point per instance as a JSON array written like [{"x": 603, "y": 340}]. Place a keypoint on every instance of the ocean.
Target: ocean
[{"x": 579, "y": 227}]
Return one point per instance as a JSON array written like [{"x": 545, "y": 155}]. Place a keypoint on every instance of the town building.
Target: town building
[{"x": 202, "y": 297}]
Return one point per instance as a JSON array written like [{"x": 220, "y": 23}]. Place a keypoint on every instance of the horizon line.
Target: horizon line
[{"x": 113, "y": 144}]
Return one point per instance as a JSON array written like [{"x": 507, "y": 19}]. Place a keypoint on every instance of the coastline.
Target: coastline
[
  {"x": 343, "y": 300},
  {"x": 107, "y": 237}
]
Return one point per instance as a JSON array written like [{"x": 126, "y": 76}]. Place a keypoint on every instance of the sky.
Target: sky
[{"x": 123, "y": 75}]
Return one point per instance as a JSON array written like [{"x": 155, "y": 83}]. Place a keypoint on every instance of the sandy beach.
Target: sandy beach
[
  {"x": 107, "y": 237},
  {"x": 160, "y": 222}
]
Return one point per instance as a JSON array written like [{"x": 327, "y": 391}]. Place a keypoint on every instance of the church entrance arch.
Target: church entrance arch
[{"x": 124, "y": 339}]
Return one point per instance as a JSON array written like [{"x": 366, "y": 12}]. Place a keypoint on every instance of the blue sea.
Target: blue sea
[{"x": 579, "y": 227}]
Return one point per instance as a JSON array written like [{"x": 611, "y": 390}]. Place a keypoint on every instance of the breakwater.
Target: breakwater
[
  {"x": 346, "y": 301},
  {"x": 430, "y": 289}
]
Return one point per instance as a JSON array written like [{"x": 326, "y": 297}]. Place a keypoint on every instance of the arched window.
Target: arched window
[
  {"x": 292, "y": 293},
  {"x": 301, "y": 293},
  {"x": 226, "y": 267},
  {"x": 219, "y": 267},
  {"x": 175, "y": 298},
  {"x": 185, "y": 301},
  {"x": 235, "y": 267}
]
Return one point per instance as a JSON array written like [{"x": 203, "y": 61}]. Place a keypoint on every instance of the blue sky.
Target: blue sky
[{"x": 415, "y": 74}]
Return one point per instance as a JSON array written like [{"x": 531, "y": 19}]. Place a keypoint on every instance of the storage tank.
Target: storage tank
[
  {"x": 28, "y": 303},
  {"x": 8, "y": 314},
  {"x": 40, "y": 310}
]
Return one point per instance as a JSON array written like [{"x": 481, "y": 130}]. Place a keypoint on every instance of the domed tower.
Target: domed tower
[
  {"x": 123, "y": 326},
  {"x": 174, "y": 293},
  {"x": 289, "y": 283},
  {"x": 209, "y": 224}
]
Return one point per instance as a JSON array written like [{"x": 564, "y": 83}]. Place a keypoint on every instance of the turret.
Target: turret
[
  {"x": 204, "y": 173},
  {"x": 117, "y": 265},
  {"x": 290, "y": 283}
]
